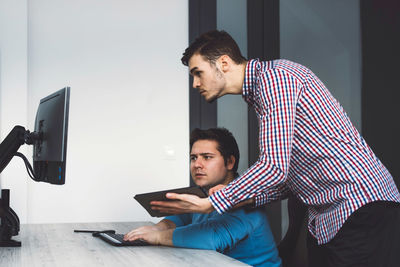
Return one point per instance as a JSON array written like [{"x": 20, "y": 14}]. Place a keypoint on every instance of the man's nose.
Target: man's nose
[
  {"x": 196, "y": 82},
  {"x": 198, "y": 163}
]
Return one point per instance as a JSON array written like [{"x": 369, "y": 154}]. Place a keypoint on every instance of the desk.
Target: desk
[{"x": 57, "y": 245}]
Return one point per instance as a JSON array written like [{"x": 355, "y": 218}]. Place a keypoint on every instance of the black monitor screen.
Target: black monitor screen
[{"x": 49, "y": 153}]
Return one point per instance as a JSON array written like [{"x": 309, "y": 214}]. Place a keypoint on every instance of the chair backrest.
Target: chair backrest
[{"x": 293, "y": 249}]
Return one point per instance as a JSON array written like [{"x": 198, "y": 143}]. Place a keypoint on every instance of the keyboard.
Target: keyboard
[{"x": 118, "y": 240}]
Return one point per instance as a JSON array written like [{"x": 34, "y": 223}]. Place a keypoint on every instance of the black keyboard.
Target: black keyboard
[{"x": 118, "y": 240}]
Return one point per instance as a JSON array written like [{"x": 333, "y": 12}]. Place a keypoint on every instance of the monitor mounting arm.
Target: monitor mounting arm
[{"x": 9, "y": 224}]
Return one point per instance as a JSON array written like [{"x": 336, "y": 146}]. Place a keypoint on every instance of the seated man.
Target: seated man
[{"x": 243, "y": 234}]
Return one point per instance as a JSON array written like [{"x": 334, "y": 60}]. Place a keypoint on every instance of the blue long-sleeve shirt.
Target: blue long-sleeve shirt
[{"x": 241, "y": 234}]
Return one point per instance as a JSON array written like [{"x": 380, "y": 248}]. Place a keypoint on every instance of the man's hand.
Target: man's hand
[
  {"x": 185, "y": 203},
  {"x": 142, "y": 230},
  {"x": 163, "y": 238},
  {"x": 160, "y": 226},
  {"x": 215, "y": 189},
  {"x": 239, "y": 205}
]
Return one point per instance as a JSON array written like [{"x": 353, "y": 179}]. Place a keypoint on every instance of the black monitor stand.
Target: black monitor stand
[{"x": 9, "y": 225}]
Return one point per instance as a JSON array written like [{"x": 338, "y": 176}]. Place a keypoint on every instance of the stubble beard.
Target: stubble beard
[
  {"x": 218, "y": 77},
  {"x": 212, "y": 99}
]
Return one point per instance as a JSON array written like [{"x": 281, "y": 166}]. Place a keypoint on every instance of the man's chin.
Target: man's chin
[
  {"x": 205, "y": 186},
  {"x": 199, "y": 183},
  {"x": 211, "y": 98}
]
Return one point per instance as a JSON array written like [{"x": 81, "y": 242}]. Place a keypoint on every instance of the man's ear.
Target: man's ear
[
  {"x": 230, "y": 163},
  {"x": 225, "y": 63}
]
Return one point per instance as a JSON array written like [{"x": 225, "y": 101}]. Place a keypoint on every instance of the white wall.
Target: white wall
[
  {"x": 128, "y": 125},
  {"x": 13, "y": 92}
]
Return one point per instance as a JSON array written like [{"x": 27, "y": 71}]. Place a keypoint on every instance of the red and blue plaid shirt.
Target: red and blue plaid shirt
[{"x": 308, "y": 146}]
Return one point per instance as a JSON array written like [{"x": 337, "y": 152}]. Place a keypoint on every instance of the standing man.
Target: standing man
[
  {"x": 243, "y": 234},
  {"x": 309, "y": 147}
]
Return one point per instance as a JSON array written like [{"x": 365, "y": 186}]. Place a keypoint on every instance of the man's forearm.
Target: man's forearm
[{"x": 183, "y": 203}]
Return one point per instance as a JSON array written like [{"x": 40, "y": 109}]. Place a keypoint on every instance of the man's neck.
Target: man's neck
[
  {"x": 228, "y": 178},
  {"x": 235, "y": 79}
]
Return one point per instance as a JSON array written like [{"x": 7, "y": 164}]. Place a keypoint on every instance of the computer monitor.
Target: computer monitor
[
  {"x": 50, "y": 149},
  {"x": 49, "y": 141}
]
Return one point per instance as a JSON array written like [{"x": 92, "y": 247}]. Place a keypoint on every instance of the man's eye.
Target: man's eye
[
  {"x": 207, "y": 157},
  {"x": 192, "y": 158},
  {"x": 197, "y": 73}
]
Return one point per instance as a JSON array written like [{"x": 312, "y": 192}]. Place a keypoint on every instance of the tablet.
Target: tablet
[{"x": 145, "y": 199}]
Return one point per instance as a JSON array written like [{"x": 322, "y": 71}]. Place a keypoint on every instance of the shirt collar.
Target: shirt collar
[{"x": 252, "y": 71}]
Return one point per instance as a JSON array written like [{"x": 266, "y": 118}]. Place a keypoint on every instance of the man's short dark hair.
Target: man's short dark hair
[
  {"x": 211, "y": 45},
  {"x": 227, "y": 145}
]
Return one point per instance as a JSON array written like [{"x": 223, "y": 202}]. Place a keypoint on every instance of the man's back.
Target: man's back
[
  {"x": 309, "y": 139},
  {"x": 243, "y": 234}
]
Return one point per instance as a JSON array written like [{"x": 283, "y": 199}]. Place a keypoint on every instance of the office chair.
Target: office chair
[{"x": 293, "y": 247}]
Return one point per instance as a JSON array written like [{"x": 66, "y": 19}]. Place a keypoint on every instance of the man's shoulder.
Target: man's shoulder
[
  {"x": 256, "y": 215},
  {"x": 285, "y": 66},
  {"x": 288, "y": 64}
]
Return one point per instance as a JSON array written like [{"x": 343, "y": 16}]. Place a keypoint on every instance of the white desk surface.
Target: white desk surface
[{"x": 57, "y": 245}]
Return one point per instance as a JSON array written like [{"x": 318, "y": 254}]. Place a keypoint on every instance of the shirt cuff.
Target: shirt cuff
[
  {"x": 260, "y": 200},
  {"x": 220, "y": 202}
]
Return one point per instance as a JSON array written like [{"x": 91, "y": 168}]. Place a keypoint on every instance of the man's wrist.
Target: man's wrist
[
  {"x": 165, "y": 237},
  {"x": 208, "y": 206}
]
